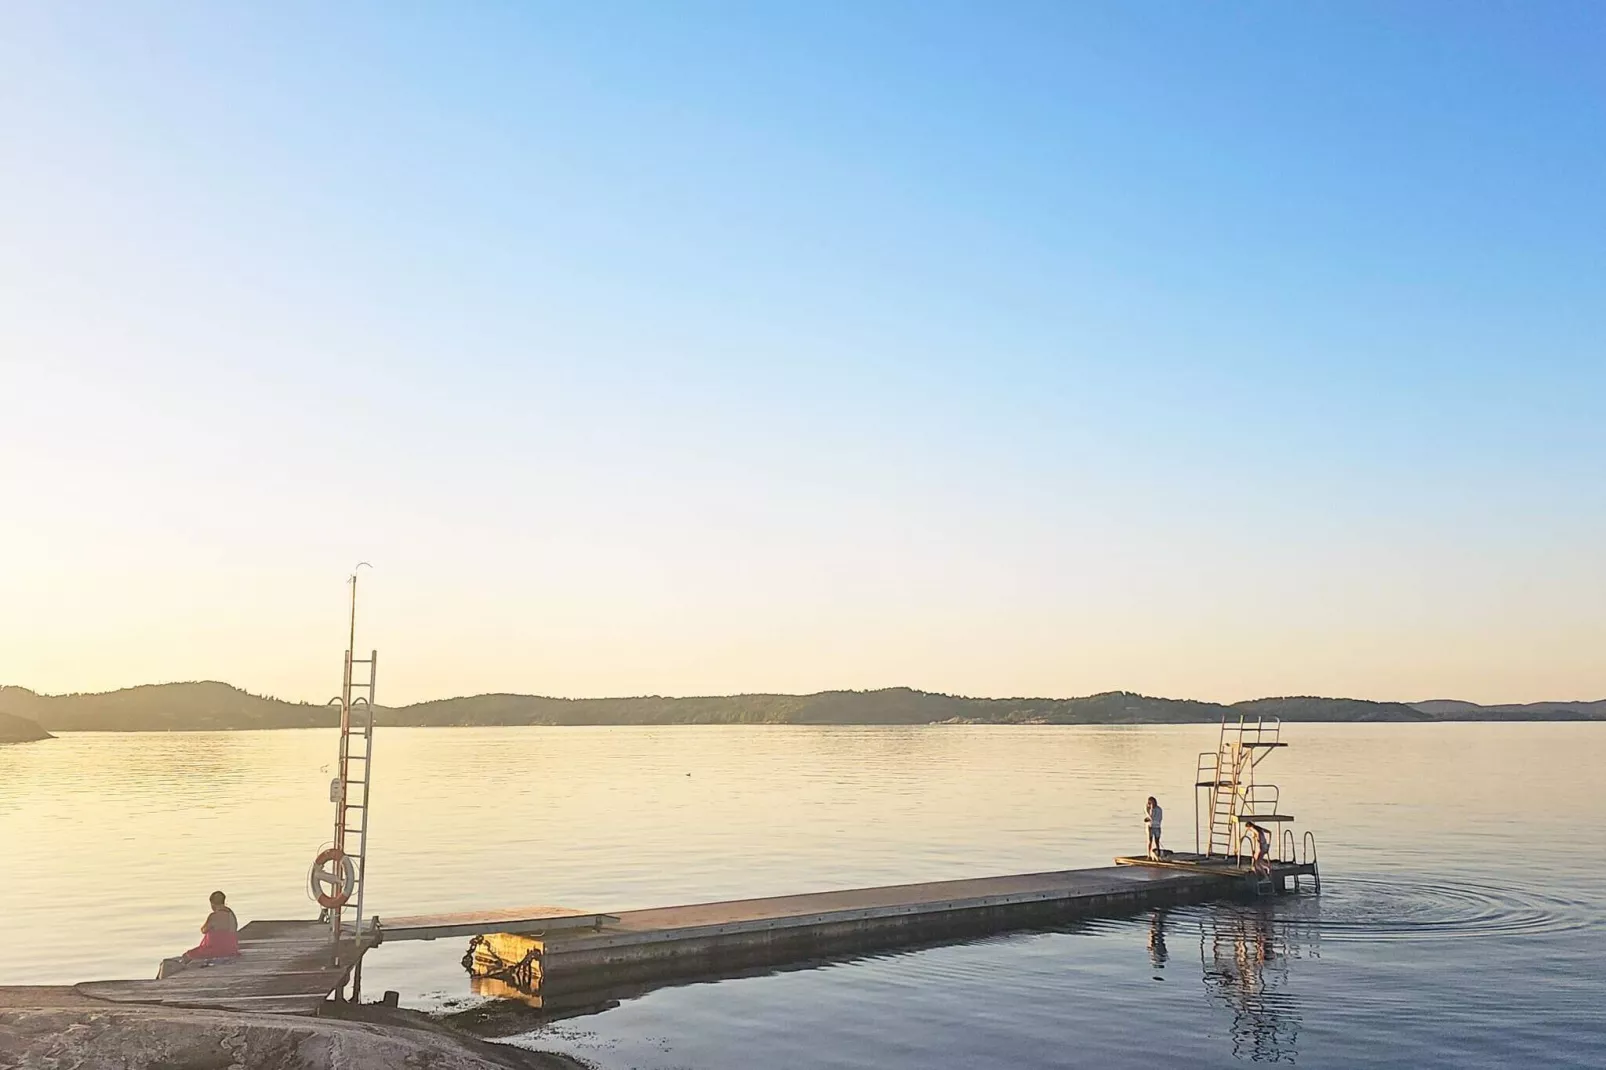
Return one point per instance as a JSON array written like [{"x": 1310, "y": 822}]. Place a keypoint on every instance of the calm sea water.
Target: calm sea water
[{"x": 1460, "y": 923}]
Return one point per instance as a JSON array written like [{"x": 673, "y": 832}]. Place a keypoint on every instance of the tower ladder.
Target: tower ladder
[
  {"x": 1234, "y": 796},
  {"x": 350, "y": 791}
]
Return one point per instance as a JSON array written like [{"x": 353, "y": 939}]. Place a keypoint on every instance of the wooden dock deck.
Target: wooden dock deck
[
  {"x": 1282, "y": 871},
  {"x": 284, "y": 967}
]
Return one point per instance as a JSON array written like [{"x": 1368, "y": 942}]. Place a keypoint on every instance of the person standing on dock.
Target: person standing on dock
[{"x": 1152, "y": 815}]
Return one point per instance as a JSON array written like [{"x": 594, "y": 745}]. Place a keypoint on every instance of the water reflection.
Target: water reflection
[
  {"x": 1246, "y": 957},
  {"x": 511, "y": 1003},
  {"x": 1158, "y": 954}
]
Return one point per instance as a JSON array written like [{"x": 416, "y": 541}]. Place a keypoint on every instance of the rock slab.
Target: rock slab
[{"x": 86, "y": 1035}]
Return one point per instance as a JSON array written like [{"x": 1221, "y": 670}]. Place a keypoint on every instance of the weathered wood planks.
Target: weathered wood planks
[{"x": 284, "y": 967}]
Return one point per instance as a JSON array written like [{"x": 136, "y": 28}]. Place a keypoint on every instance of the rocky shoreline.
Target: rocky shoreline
[
  {"x": 20, "y": 730},
  {"x": 56, "y": 1027}
]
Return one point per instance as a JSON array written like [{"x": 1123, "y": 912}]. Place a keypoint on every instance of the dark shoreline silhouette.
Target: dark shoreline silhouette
[
  {"x": 15, "y": 729},
  {"x": 210, "y": 706}
]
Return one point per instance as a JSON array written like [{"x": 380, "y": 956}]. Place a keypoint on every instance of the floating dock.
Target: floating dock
[
  {"x": 671, "y": 943},
  {"x": 287, "y": 967}
]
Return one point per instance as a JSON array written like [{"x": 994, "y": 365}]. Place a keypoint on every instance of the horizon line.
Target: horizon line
[{"x": 806, "y": 694}]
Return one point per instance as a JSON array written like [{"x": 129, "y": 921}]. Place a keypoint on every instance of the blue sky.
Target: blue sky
[{"x": 698, "y": 347}]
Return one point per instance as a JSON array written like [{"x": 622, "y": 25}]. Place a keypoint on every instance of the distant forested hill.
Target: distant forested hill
[
  {"x": 158, "y": 707},
  {"x": 1452, "y": 709},
  {"x": 1308, "y": 708},
  {"x": 211, "y": 705},
  {"x": 893, "y": 705}
]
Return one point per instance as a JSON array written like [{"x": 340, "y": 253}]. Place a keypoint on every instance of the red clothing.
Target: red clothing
[
  {"x": 219, "y": 937},
  {"x": 215, "y": 946}
]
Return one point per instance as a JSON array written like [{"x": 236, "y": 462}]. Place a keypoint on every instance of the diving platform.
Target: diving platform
[{"x": 1283, "y": 875}]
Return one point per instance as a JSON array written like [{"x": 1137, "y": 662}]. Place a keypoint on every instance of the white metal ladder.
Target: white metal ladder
[
  {"x": 351, "y": 787},
  {"x": 356, "y": 761}
]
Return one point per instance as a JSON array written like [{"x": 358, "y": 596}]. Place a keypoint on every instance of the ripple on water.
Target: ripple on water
[{"x": 1363, "y": 908}]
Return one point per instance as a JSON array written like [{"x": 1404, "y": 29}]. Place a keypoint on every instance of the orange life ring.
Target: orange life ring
[{"x": 332, "y": 870}]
